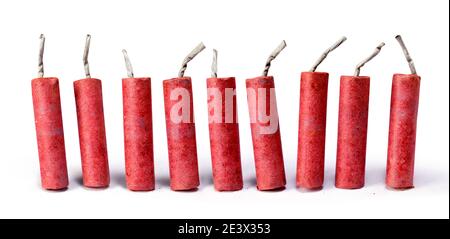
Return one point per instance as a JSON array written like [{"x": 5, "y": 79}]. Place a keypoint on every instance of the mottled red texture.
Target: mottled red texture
[
  {"x": 49, "y": 133},
  {"x": 91, "y": 130},
  {"x": 181, "y": 140},
  {"x": 402, "y": 131},
  {"x": 312, "y": 127},
  {"x": 352, "y": 131},
  {"x": 267, "y": 149},
  {"x": 138, "y": 134},
  {"x": 224, "y": 139}
]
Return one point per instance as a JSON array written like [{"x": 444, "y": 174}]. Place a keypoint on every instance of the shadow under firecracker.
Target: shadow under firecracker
[
  {"x": 250, "y": 182},
  {"x": 79, "y": 182},
  {"x": 118, "y": 178},
  {"x": 163, "y": 182}
]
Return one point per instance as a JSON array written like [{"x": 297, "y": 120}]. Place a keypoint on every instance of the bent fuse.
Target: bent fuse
[
  {"x": 180, "y": 127},
  {"x": 265, "y": 129},
  {"x": 49, "y": 128}
]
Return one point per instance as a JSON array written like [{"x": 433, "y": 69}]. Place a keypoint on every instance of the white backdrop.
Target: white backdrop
[{"x": 158, "y": 35}]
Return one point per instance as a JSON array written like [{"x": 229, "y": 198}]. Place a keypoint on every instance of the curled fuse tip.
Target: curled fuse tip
[
  {"x": 85, "y": 56},
  {"x": 41, "y": 56},
  {"x": 272, "y": 56},
  {"x": 128, "y": 65},
  {"x": 214, "y": 64},
  {"x": 325, "y": 54},
  {"x": 406, "y": 53},
  {"x": 362, "y": 63},
  {"x": 200, "y": 47}
]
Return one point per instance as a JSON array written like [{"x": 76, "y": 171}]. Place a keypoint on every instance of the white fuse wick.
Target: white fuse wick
[
  {"x": 362, "y": 63},
  {"x": 272, "y": 56}
]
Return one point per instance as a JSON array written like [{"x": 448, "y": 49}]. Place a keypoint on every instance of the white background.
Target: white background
[{"x": 159, "y": 35}]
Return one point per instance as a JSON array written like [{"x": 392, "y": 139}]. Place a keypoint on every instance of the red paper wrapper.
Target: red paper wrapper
[
  {"x": 49, "y": 133},
  {"x": 266, "y": 142},
  {"x": 224, "y": 134},
  {"x": 91, "y": 130},
  {"x": 312, "y": 128},
  {"x": 180, "y": 126},
  {"x": 138, "y": 132},
  {"x": 402, "y": 131},
  {"x": 352, "y": 131}
]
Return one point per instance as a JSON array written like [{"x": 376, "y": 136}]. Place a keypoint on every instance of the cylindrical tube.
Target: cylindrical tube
[
  {"x": 402, "y": 131},
  {"x": 312, "y": 127},
  {"x": 49, "y": 133},
  {"x": 180, "y": 127},
  {"x": 138, "y": 134},
  {"x": 224, "y": 134},
  {"x": 265, "y": 129},
  {"x": 91, "y": 130},
  {"x": 352, "y": 131}
]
